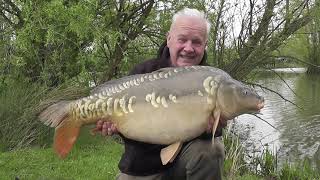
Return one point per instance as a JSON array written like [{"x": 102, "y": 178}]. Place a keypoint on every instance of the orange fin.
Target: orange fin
[
  {"x": 65, "y": 136},
  {"x": 169, "y": 153}
]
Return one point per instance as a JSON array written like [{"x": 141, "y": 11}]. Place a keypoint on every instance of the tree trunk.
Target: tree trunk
[
  {"x": 215, "y": 34},
  {"x": 314, "y": 54}
]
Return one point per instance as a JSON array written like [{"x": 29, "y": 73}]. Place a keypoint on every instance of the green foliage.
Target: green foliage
[
  {"x": 21, "y": 102},
  {"x": 48, "y": 45},
  {"x": 264, "y": 166},
  {"x": 269, "y": 163},
  {"x": 301, "y": 171},
  {"x": 314, "y": 47},
  {"x": 296, "y": 46},
  {"x": 18, "y": 123},
  {"x": 304, "y": 45},
  {"x": 234, "y": 158}
]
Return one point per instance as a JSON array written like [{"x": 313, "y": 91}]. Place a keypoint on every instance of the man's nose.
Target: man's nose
[{"x": 188, "y": 47}]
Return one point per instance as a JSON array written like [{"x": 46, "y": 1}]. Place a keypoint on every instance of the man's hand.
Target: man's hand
[{"x": 105, "y": 127}]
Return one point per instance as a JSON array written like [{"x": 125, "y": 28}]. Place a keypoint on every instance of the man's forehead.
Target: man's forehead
[
  {"x": 188, "y": 32},
  {"x": 191, "y": 36},
  {"x": 190, "y": 21},
  {"x": 190, "y": 24}
]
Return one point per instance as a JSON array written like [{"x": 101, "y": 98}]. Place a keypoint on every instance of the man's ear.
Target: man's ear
[
  {"x": 206, "y": 45},
  {"x": 168, "y": 36}
]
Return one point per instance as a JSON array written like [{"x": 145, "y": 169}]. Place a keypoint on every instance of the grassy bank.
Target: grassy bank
[
  {"x": 97, "y": 158},
  {"x": 91, "y": 158},
  {"x": 262, "y": 166}
]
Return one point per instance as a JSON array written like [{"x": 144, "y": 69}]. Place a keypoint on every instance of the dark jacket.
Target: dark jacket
[{"x": 140, "y": 158}]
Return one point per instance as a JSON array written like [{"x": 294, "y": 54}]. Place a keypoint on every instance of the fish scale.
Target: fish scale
[{"x": 100, "y": 97}]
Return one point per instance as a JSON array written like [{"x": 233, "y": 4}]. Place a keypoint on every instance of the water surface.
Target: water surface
[{"x": 298, "y": 134}]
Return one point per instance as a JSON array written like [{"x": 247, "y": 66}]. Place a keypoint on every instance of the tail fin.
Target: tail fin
[
  {"x": 54, "y": 114},
  {"x": 66, "y": 128}
]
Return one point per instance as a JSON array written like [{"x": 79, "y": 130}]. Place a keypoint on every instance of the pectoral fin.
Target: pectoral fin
[
  {"x": 216, "y": 117},
  {"x": 169, "y": 153}
]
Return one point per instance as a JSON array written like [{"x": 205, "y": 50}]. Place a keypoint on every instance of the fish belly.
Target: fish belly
[{"x": 180, "y": 121}]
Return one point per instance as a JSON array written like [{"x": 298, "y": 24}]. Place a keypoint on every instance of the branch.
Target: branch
[
  {"x": 295, "y": 25},
  {"x": 284, "y": 82},
  {"x": 265, "y": 121},
  {"x": 264, "y": 23},
  {"x": 141, "y": 21},
  {"x": 135, "y": 13}
]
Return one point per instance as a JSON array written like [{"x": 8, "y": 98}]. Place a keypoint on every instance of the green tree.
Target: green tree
[
  {"x": 314, "y": 46},
  {"x": 265, "y": 26}
]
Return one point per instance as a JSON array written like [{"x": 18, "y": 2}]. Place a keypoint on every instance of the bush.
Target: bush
[
  {"x": 21, "y": 102},
  {"x": 18, "y": 124}
]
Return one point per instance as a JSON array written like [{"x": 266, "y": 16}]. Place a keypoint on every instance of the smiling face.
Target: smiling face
[{"x": 187, "y": 40}]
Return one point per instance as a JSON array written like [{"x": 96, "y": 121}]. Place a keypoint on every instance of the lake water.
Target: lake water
[{"x": 298, "y": 128}]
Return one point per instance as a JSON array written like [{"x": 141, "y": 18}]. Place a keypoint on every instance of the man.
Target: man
[{"x": 198, "y": 160}]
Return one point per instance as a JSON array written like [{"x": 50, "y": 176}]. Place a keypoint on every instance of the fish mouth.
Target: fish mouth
[{"x": 260, "y": 105}]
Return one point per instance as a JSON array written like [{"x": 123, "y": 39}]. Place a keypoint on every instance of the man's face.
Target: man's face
[{"x": 187, "y": 41}]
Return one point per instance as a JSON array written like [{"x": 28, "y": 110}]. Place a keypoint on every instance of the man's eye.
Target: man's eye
[
  {"x": 182, "y": 40},
  {"x": 196, "y": 42}
]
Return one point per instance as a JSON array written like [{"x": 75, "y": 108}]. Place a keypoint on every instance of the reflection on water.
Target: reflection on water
[{"x": 298, "y": 134}]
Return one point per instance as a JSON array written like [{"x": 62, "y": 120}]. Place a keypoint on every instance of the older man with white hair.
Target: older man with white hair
[{"x": 197, "y": 160}]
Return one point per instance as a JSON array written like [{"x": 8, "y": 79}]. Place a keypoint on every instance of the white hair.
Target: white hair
[{"x": 192, "y": 13}]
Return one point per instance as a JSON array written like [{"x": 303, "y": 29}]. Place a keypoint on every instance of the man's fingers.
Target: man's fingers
[
  {"x": 99, "y": 124},
  {"x": 109, "y": 131},
  {"x": 114, "y": 128},
  {"x": 93, "y": 131},
  {"x": 104, "y": 130},
  {"x": 105, "y": 127},
  {"x": 97, "y": 128},
  {"x": 108, "y": 124}
]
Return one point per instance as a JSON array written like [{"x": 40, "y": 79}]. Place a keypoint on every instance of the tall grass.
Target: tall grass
[
  {"x": 20, "y": 104},
  {"x": 262, "y": 166},
  {"x": 234, "y": 163},
  {"x": 18, "y": 125},
  {"x": 301, "y": 170}
]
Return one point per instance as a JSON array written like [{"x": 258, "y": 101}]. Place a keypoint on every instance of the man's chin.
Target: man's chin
[{"x": 186, "y": 64}]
